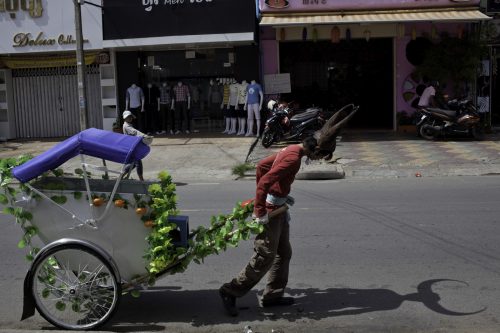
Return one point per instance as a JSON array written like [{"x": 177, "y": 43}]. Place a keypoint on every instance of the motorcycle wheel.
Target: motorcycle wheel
[
  {"x": 267, "y": 138},
  {"x": 476, "y": 133},
  {"x": 427, "y": 132}
]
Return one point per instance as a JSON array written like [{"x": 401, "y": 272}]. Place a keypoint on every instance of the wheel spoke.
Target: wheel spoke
[{"x": 74, "y": 288}]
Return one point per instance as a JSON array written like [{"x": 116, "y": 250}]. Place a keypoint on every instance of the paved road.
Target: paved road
[{"x": 385, "y": 255}]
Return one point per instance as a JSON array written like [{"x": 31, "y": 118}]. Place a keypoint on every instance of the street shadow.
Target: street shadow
[
  {"x": 203, "y": 307},
  {"x": 360, "y": 135}
]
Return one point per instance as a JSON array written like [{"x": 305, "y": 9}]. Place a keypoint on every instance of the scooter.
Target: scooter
[
  {"x": 462, "y": 119},
  {"x": 281, "y": 125}
]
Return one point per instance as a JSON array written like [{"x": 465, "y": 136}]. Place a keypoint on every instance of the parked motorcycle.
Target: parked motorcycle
[
  {"x": 283, "y": 125},
  {"x": 461, "y": 119}
]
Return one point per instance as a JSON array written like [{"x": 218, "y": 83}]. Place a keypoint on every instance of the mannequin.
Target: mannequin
[
  {"x": 181, "y": 103},
  {"x": 224, "y": 106},
  {"x": 151, "y": 121},
  {"x": 214, "y": 99},
  {"x": 232, "y": 106},
  {"x": 166, "y": 115},
  {"x": 134, "y": 102},
  {"x": 241, "y": 109},
  {"x": 253, "y": 104}
]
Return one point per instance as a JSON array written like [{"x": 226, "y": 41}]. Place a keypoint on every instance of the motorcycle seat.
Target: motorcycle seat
[
  {"x": 308, "y": 114},
  {"x": 449, "y": 113}
]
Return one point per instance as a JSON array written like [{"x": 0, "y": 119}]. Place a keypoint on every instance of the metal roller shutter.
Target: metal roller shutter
[{"x": 46, "y": 101}]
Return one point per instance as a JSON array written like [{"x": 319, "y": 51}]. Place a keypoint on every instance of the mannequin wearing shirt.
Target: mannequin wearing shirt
[
  {"x": 253, "y": 105},
  {"x": 240, "y": 109},
  {"x": 166, "y": 119},
  {"x": 181, "y": 103},
  {"x": 134, "y": 102},
  {"x": 150, "y": 121},
  {"x": 232, "y": 106}
]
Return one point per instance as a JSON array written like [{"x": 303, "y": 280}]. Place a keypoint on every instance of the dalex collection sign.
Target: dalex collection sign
[{"x": 26, "y": 39}]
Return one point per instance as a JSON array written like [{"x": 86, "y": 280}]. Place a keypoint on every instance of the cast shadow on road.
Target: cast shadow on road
[
  {"x": 199, "y": 308},
  {"x": 354, "y": 135}
]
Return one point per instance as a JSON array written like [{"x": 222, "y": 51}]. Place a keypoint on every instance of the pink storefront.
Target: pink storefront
[{"x": 332, "y": 52}]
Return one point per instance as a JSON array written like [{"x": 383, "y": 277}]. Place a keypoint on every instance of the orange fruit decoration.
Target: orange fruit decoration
[
  {"x": 97, "y": 201},
  {"x": 149, "y": 224},
  {"x": 120, "y": 203},
  {"x": 140, "y": 211},
  {"x": 246, "y": 202}
]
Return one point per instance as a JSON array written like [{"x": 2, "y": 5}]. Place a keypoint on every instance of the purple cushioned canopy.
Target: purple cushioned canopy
[{"x": 107, "y": 145}]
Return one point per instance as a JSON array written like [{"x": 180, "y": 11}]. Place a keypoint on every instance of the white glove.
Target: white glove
[
  {"x": 290, "y": 201},
  {"x": 261, "y": 220}
]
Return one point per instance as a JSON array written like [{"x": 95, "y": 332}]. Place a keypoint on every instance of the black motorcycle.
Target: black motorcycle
[
  {"x": 461, "y": 119},
  {"x": 281, "y": 125}
]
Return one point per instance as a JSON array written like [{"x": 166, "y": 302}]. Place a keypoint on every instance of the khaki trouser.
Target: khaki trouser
[{"x": 272, "y": 254}]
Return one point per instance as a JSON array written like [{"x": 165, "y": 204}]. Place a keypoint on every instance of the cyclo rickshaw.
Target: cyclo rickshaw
[{"x": 92, "y": 253}]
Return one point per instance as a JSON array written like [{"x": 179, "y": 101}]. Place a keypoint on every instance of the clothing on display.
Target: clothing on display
[
  {"x": 166, "y": 120},
  {"x": 152, "y": 98},
  {"x": 134, "y": 97},
  {"x": 255, "y": 97},
  {"x": 254, "y": 90},
  {"x": 232, "y": 105},
  {"x": 181, "y": 103}
]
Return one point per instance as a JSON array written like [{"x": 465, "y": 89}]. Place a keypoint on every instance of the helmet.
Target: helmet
[{"x": 271, "y": 104}]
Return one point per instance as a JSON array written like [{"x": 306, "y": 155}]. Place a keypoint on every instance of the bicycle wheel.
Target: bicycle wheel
[{"x": 74, "y": 287}]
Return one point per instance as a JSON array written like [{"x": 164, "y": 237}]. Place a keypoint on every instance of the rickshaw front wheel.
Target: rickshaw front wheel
[{"x": 74, "y": 287}]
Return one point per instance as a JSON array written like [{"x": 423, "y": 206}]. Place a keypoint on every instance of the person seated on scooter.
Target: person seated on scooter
[
  {"x": 428, "y": 98},
  {"x": 129, "y": 129}
]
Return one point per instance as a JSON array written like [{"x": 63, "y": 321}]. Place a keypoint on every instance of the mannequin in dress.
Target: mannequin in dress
[
  {"x": 253, "y": 104},
  {"x": 241, "y": 110},
  {"x": 181, "y": 103}
]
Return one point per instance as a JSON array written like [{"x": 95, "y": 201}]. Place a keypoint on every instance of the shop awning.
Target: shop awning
[{"x": 449, "y": 15}]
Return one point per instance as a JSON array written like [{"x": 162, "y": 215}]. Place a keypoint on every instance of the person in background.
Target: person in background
[
  {"x": 129, "y": 129},
  {"x": 428, "y": 97}
]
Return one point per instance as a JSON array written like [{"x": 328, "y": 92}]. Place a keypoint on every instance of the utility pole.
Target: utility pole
[{"x": 80, "y": 66}]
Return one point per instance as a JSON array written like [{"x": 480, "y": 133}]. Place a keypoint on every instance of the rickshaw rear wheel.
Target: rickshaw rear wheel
[{"x": 74, "y": 287}]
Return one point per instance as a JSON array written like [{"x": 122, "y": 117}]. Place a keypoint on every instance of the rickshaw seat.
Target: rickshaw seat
[{"x": 93, "y": 142}]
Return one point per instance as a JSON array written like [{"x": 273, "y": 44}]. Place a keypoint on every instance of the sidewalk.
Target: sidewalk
[{"x": 204, "y": 157}]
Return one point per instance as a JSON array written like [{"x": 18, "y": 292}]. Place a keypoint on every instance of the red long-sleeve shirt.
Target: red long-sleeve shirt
[{"x": 275, "y": 175}]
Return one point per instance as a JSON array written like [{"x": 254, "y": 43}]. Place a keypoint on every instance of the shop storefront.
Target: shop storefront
[
  {"x": 38, "y": 82},
  {"x": 196, "y": 42},
  {"x": 358, "y": 51}
]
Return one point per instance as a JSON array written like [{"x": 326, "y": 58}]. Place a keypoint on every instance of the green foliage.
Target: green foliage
[
  {"x": 224, "y": 231},
  {"x": 453, "y": 59},
  {"x": 240, "y": 169}
]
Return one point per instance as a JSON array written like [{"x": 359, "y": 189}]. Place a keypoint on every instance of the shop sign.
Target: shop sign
[
  {"x": 42, "y": 62},
  {"x": 339, "y": 5},
  {"x": 161, "y": 18},
  {"x": 26, "y": 39},
  {"x": 52, "y": 32},
  {"x": 33, "y": 7},
  {"x": 148, "y": 4}
]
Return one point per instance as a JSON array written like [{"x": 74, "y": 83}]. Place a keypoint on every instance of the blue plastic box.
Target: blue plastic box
[{"x": 180, "y": 235}]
